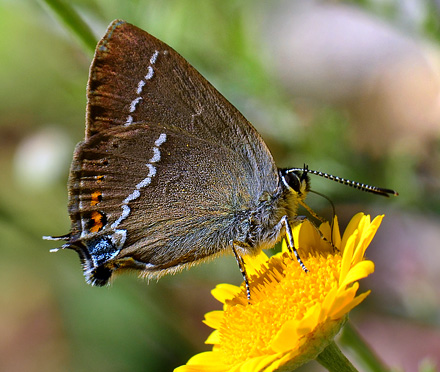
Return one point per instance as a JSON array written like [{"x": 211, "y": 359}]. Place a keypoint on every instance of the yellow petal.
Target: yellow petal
[
  {"x": 325, "y": 230},
  {"x": 310, "y": 320},
  {"x": 288, "y": 362},
  {"x": 187, "y": 368},
  {"x": 284, "y": 245},
  {"x": 327, "y": 304},
  {"x": 286, "y": 338},
  {"x": 367, "y": 237},
  {"x": 263, "y": 363},
  {"x": 377, "y": 222},
  {"x": 336, "y": 233},
  {"x": 351, "y": 305},
  {"x": 312, "y": 240},
  {"x": 214, "y": 318},
  {"x": 359, "y": 271},
  {"x": 255, "y": 263},
  {"x": 296, "y": 234},
  {"x": 335, "y": 236},
  {"x": 347, "y": 256},
  {"x": 204, "y": 362},
  {"x": 350, "y": 229},
  {"x": 309, "y": 237},
  {"x": 224, "y": 292},
  {"x": 343, "y": 299},
  {"x": 213, "y": 338},
  {"x": 364, "y": 222}
]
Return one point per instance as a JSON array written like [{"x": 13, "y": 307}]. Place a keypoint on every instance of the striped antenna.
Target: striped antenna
[{"x": 354, "y": 184}]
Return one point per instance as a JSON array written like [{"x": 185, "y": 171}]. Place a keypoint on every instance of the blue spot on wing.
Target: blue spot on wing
[{"x": 102, "y": 250}]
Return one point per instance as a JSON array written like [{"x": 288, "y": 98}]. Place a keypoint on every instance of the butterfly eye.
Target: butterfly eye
[
  {"x": 297, "y": 180},
  {"x": 292, "y": 180}
]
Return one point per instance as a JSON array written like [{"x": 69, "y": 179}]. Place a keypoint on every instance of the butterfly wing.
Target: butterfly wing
[
  {"x": 168, "y": 168},
  {"x": 135, "y": 77},
  {"x": 127, "y": 180}
]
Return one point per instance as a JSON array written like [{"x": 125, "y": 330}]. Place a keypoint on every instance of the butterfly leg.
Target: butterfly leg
[
  {"x": 241, "y": 265},
  {"x": 284, "y": 221}
]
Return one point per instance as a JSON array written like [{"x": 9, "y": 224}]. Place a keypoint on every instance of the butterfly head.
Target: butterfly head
[{"x": 297, "y": 181}]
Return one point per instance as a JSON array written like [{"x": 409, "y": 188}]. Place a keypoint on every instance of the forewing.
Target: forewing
[{"x": 136, "y": 78}]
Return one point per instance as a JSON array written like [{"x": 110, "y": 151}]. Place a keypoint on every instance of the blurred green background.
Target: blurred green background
[{"x": 350, "y": 88}]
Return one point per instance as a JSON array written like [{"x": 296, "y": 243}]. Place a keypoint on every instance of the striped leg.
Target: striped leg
[
  {"x": 240, "y": 263},
  {"x": 284, "y": 221}
]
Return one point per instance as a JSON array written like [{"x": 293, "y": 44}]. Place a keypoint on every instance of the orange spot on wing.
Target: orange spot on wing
[
  {"x": 96, "y": 197},
  {"x": 97, "y": 218}
]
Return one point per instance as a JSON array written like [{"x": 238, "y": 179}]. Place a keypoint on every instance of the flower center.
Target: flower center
[{"x": 282, "y": 292}]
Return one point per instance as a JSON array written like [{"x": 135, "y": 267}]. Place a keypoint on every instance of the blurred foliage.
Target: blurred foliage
[{"x": 50, "y": 319}]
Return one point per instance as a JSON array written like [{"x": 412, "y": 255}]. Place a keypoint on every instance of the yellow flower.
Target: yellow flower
[{"x": 292, "y": 315}]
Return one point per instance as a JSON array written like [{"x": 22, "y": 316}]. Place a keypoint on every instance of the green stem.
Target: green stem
[
  {"x": 352, "y": 340},
  {"x": 333, "y": 359},
  {"x": 68, "y": 15}
]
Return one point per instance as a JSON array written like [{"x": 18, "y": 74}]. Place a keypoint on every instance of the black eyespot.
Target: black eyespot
[{"x": 101, "y": 275}]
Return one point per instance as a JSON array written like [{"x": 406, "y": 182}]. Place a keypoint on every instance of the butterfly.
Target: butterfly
[{"x": 170, "y": 173}]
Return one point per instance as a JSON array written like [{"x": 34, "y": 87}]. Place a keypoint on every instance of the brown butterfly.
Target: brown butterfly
[{"x": 170, "y": 173}]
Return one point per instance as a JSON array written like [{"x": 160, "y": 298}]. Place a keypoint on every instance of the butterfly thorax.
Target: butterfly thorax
[{"x": 263, "y": 226}]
